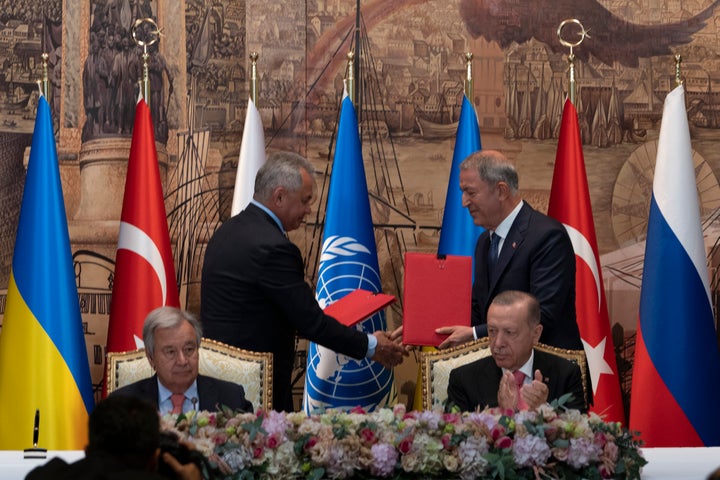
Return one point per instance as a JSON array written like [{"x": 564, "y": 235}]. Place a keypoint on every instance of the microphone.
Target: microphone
[
  {"x": 36, "y": 428},
  {"x": 36, "y": 452}
]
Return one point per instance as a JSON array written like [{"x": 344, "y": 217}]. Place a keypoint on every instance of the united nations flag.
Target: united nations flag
[{"x": 348, "y": 261}]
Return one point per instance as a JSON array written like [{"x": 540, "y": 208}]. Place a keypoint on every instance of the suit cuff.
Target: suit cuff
[
  {"x": 480, "y": 331},
  {"x": 372, "y": 344}
]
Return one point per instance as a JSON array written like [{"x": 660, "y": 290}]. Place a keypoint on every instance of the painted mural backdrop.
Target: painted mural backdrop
[{"x": 411, "y": 76}]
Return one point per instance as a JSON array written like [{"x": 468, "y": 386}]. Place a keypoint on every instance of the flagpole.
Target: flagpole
[
  {"x": 43, "y": 83},
  {"x": 571, "y": 56},
  {"x": 154, "y": 35},
  {"x": 350, "y": 77},
  {"x": 253, "y": 77},
  {"x": 469, "y": 85}
]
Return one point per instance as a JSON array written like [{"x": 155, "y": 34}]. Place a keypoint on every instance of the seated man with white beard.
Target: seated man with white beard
[{"x": 172, "y": 343}]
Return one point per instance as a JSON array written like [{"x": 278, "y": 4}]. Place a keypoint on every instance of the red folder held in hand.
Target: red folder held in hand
[
  {"x": 437, "y": 293},
  {"x": 358, "y": 305}
]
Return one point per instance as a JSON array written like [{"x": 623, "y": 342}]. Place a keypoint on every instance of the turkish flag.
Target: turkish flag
[
  {"x": 144, "y": 271},
  {"x": 570, "y": 205}
]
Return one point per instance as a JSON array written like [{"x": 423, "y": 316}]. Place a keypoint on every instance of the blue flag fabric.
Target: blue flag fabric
[
  {"x": 43, "y": 358},
  {"x": 348, "y": 261},
  {"x": 459, "y": 234}
]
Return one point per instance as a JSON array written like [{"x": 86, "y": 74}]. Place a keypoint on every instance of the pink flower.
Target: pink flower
[
  {"x": 605, "y": 472},
  {"x": 358, "y": 409},
  {"x": 504, "y": 442},
  {"x": 497, "y": 431},
  {"x": 367, "y": 435},
  {"x": 310, "y": 443},
  {"x": 258, "y": 452},
  {"x": 405, "y": 445},
  {"x": 453, "y": 418},
  {"x": 272, "y": 441},
  {"x": 445, "y": 439}
]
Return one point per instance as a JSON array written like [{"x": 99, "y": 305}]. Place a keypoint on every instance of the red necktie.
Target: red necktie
[
  {"x": 519, "y": 381},
  {"x": 177, "y": 400}
]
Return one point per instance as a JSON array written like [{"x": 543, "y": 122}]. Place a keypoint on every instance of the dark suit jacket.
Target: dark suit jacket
[
  {"x": 476, "y": 384},
  {"x": 536, "y": 257},
  {"x": 254, "y": 296},
  {"x": 212, "y": 392},
  {"x": 98, "y": 466}
]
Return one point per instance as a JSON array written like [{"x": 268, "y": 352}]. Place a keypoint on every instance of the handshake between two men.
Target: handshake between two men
[{"x": 389, "y": 351}]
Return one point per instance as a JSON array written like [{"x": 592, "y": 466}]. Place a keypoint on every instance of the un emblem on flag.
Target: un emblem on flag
[{"x": 334, "y": 380}]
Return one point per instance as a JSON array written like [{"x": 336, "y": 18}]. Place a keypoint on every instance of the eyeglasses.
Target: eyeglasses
[{"x": 171, "y": 353}]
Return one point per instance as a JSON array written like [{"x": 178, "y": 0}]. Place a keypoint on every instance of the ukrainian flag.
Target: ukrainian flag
[{"x": 43, "y": 358}]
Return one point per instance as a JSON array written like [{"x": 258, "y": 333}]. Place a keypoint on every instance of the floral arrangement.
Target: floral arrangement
[{"x": 548, "y": 443}]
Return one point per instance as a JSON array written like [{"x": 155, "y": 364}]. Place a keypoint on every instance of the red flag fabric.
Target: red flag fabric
[
  {"x": 570, "y": 204},
  {"x": 144, "y": 271}
]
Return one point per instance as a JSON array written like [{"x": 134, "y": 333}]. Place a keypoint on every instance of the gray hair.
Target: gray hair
[
  {"x": 493, "y": 167},
  {"x": 167, "y": 317},
  {"x": 281, "y": 169},
  {"x": 514, "y": 297}
]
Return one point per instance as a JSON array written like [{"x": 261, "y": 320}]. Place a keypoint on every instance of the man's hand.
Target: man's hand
[
  {"x": 396, "y": 335},
  {"x": 388, "y": 352},
  {"x": 188, "y": 471},
  {"x": 535, "y": 393},
  {"x": 457, "y": 335},
  {"x": 508, "y": 392}
]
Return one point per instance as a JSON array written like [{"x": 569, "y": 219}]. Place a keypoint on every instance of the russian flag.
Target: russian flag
[
  {"x": 676, "y": 376},
  {"x": 43, "y": 358}
]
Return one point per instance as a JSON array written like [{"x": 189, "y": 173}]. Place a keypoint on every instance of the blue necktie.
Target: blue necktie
[{"x": 494, "y": 251}]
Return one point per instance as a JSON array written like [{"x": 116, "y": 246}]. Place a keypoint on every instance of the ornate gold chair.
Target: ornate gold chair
[
  {"x": 575, "y": 356},
  {"x": 435, "y": 368},
  {"x": 436, "y": 365},
  {"x": 252, "y": 370}
]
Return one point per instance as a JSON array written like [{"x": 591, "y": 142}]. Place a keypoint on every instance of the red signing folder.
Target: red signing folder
[
  {"x": 437, "y": 293},
  {"x": 358, "y": 305}
]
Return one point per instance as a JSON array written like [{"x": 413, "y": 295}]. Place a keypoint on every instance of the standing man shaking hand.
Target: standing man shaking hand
[
  {"x": 253, "y": 291},
  {"x": 520, "y": 249}
]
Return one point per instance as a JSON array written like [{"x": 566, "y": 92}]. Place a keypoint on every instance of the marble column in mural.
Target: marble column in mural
[
  {"x": 97, "y": 98},
  {"x": 102, "y": 66}
]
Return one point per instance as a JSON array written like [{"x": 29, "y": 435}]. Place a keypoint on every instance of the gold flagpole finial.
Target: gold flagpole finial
[
  {"x": 152, "y": 37},
  {"x": 678, "y": 72},
  {"x": 469, "y": 86},
  {"x": 44, "y": 82},
  {"x": 253, "y": 76},
  {"x": 350, "y": 76},
  {"x": 571, "y": 56}
]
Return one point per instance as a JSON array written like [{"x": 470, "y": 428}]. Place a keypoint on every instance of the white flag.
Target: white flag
[{"x": 252, "y": 157}]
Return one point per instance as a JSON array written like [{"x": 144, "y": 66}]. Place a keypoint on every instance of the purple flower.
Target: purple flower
[
  {"x": 471, "y": 453},
  {"x": 384, "y": 459},
  {"x": 582, "y": 451},
  {"x": 530, "y": 450},
  {"x": 275, "y": 424}
]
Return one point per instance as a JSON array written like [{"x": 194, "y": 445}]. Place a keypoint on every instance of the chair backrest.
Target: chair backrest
[
  {"x": 252, "y": 370},
  {"x": 576, "y": 356},
  {"x": 436, "y": 365},
  {"x": 435, "y": 368}
]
